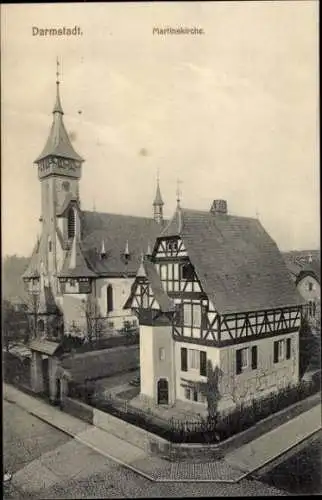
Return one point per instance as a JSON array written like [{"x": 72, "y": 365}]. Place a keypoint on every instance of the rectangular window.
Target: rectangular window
[
  {"x": 187, "y": 393},
  {"x": 279, "y": 350},
  {"x": 203, "y": 363},
  {"x": 288, "y": 348},
  {"x": 186, "y": 271},
  {"x": 162, "y": 354},
  {"x": 184, "y": 359},
  {"x": 241, "y": 360},
  {"x": 195, "y": 395},
  {"x": 193, "y": 359},
  {"x": 310, "y": 286},
  {"x": 163, "y": 271},
  {"x": 187, "y": 314},
  {"x": 192, "y": 315},
  {"x": 254, "y": 357}
]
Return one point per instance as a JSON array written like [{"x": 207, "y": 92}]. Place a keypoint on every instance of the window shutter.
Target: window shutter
[
  {"x": 254, "y": 357},
  {"x": 275, "y": 352},
  {"x": 288, "y": 348},
  {"x": 203, "y": 363},
  {"x": 183, "y": 359},
  {"x": 238, "y": 361}
]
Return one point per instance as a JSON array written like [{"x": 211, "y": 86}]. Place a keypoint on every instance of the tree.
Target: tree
[
  {"x": 14, "y": 324},
  {"x": 211, "y": 390},
  {"x": 94, "y": 322}
]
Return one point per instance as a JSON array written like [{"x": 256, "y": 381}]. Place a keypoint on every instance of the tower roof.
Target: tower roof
[
  {"x": 58, "y": 142},
  {"x": 158, "y": 198},
  {"x": 75, "y": 265}
]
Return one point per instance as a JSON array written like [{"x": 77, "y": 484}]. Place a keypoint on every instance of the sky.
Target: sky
[{"x": 231, "y": 113}]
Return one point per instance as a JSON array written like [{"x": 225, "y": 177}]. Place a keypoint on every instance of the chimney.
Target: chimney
[{"x": 219, "y": 207}]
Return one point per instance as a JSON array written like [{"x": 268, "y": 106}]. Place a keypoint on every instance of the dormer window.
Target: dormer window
[{"x": 71, "y": 223}]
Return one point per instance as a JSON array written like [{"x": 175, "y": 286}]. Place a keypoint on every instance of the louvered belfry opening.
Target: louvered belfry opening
[{"x": 71, "y": 223}]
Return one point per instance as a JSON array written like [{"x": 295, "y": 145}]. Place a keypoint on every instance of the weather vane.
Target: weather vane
[
  {"x": 178, "y": 192},
  {"x": 57, "y": 70}
]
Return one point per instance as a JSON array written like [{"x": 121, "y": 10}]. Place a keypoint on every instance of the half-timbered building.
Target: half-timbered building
[{"x": 215, "y": 292}]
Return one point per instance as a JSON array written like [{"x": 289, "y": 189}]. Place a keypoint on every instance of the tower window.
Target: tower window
[
  {"x": 50, "y": 246},
  {"x": 71, "y": 223},
  {"x": 109, "y": 292}
]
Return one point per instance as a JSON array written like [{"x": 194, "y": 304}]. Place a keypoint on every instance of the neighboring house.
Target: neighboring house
[
  {"x": 215, "y": 290},
  {"x": 306, "y": 274},
  {"x": 84, "y": 263}
]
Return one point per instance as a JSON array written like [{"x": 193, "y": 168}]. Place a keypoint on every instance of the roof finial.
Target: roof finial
[
  {"x": 126, "y": 250},
  {"x": 58, "y": 107},
  {"x": 57, "y": 71},
  {"x": 178, "y": 192}
]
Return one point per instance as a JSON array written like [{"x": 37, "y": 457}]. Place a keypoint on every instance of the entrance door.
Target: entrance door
[
  {"x": 58, "y": 395},
  {"x": 163, "y": 391},
  {"x": 45, "y": 375}
]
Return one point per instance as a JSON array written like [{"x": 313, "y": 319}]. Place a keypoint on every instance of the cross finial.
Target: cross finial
[
  {"x": 158, "y": 175},
  {"x": 178, "y": 192},
  {"x": 57, "y": 71}
]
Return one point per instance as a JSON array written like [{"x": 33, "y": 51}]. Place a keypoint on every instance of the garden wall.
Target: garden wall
[
  {"x": 78, "y": 409},
  {"x": 130, "y": 433}
]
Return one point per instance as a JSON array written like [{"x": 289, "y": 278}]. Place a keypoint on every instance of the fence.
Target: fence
[
  {"x": 202, "y": 430},
  {"x": 101, "y": 343}
]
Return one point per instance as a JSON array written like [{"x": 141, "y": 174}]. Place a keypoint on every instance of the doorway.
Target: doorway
[{"x": 163, "y": 391}]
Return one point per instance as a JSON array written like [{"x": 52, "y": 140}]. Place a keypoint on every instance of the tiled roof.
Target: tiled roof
[
  {"x": 58, "y": 142},
  {"x": 115, "y": 230},
  {"x": 44, "y": 346},
  {"x": 33, "y": 268},
  {"x": 238, "y": 264},
  {"x": 165, "y": 303},
  {"x": 75, "y": 265},
  {"x": 68, "y": 198},
  {"x": 158, "y": 198},
  {"x": 47, "y": 304}
]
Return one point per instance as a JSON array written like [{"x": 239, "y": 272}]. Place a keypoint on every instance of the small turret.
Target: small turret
[{"x": 158, "y": 205}]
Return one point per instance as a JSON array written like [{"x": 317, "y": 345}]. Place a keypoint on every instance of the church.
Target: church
[{"x": 84, "y": 262}]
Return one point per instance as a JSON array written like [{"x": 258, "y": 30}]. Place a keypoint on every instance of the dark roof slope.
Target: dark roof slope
[
  {"x": 116, "y": 230},
  {"x": 237, "y": 262},
  {"x": 58, "y": 142},
  {"x": 165, "y": 303},
  {"x": 75, "y": 265}
]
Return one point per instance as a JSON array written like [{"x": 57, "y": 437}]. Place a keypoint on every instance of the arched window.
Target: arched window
[
  {"x": 71, "y": 223},
  {"x": 109, "y": 297},
  {"x": 41, "y": 326}
]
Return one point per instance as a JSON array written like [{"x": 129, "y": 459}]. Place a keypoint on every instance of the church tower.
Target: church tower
[
  {"x": 158, "y": 205},
  {"x": 59, "y": 172}
]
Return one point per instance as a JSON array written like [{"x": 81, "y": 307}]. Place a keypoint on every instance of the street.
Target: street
[{"x": 49, "y": 464}]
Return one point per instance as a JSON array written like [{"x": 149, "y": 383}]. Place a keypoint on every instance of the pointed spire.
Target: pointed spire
[
  {"x": 158, "y": 204},
  {"x": 141, "y": 271},
  {"x": 58, "y": 142},
  {"x": 148, "y": 251},
  {"x": 103, "y": 251},
  {"x": 178, "y": 192},
  {"x": 58, "y": 107},
  {"x": 126, "y": 250},
  {"x": 158, "y": 198}
]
